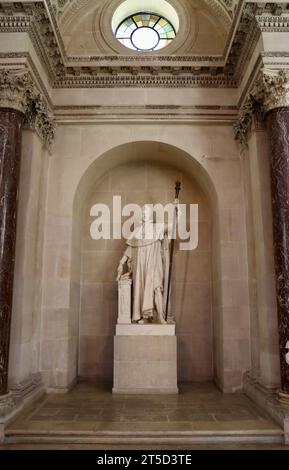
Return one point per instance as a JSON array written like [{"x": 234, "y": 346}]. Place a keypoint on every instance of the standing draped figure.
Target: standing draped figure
[{"x": 147, "y": 261}]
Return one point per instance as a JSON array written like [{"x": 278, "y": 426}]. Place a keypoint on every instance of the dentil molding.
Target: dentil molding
[{"x": 42, "y": 21}]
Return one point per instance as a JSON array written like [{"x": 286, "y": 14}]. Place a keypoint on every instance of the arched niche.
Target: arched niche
[{"x": 142, "y": 172}]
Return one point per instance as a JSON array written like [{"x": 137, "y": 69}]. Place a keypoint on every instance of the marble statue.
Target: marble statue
[{"x": 146, "y": 262}]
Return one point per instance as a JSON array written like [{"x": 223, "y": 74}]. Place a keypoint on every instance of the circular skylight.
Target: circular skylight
[
  {"x": 145, "y": 32},
  {"x": 145, "y": 38}
]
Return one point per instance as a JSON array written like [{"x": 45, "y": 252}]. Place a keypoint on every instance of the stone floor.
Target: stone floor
[{"x": 91, "y": 408}]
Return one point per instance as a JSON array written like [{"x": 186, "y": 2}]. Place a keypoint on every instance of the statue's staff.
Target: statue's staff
[{"x": 172, "y": 247}]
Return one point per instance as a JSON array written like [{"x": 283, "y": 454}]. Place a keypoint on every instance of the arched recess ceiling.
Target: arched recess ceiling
[{"x": 68, "y": 10}]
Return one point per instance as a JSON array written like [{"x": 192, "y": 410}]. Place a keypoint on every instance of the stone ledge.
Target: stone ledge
[{"x": 169, "y": 438}]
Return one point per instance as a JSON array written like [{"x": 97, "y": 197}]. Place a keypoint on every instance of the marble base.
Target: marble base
[
  {"x": 7, "y": 405},
  {"x": 19, "y": 397},
  {"x": 269, "y": 401},
  {"x": 150, "y": 329},
  {"x": 145, "y": 360}
]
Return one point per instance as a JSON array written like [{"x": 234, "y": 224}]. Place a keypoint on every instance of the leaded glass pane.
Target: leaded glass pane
[{"x": 145, "y": 32}]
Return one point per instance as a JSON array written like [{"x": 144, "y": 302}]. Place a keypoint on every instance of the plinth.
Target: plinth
[{"x": 145, "y": 359}]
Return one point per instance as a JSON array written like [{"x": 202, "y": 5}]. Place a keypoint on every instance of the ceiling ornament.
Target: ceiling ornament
[
  {"x": 222, "y": 9},
  {"x": 65, "y": 10},
  {"x": 139, "y": 70}
]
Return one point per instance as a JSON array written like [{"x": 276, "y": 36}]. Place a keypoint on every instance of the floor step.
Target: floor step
[{"x": 268, "y": 436}]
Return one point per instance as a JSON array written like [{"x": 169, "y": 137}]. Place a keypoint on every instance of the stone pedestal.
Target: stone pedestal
[{"x": 145, "y": 359}]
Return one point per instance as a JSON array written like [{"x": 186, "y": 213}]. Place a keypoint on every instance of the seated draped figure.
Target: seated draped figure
[{"x": 146, "y": 261}]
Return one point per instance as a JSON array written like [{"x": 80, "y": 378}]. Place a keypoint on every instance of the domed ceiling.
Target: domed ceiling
[
  {"x": 76, "y": 45},
  {"x": 85, "y": 26}
]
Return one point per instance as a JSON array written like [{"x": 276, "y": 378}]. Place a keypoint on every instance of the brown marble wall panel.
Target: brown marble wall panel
[
  {"x": 278, "y": 128},
  {"x": 10, "y": 155}
]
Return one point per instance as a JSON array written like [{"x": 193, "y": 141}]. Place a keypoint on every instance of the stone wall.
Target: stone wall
[
  {"x": 26, "y": 319},
  {"x": 264, "y": 325},
  {"x": 83, "y": 154}
]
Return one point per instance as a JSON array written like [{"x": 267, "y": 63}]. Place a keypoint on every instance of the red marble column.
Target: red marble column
[
  {"x": 10, "y": 154},
  {"x": 278, "y": 129}
]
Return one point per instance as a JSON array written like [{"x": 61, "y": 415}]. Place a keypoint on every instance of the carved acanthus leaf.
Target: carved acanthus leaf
[
  {"x": 15, "y": 88},
  {"x": 272, "y": 87},
  {"x": 39, "y": 118},
  {"x": 17, "y": 91},
  {"x": 271, "y": 90},
  {"x": 242, "y": 127}
]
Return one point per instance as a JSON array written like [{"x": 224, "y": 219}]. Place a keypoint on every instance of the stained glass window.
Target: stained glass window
[{"x": 145, "y": 32}]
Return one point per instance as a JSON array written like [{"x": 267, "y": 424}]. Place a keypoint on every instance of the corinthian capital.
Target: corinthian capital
[
  {"x": 15, "y": 88},
  {"x": 18, "y": 91},
  {"x": 272, "y": 89}
]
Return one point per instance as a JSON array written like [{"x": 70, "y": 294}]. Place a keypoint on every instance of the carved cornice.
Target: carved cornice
[
  {"x": 149, "y": 80},
  {"x": 250, "y": 19},
  {"x": 18, "y": 91},
  {"x": 270, "y": 91},
  {"x": 271, "y": 24}
]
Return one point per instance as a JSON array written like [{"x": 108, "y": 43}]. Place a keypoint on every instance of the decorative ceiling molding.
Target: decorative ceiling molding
[
  {"x": 189, "y": 80},
  {"x": 222, "y": 9},
  {"x": 139, "y": 70},
  {"x": 65, "y": 10}
]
